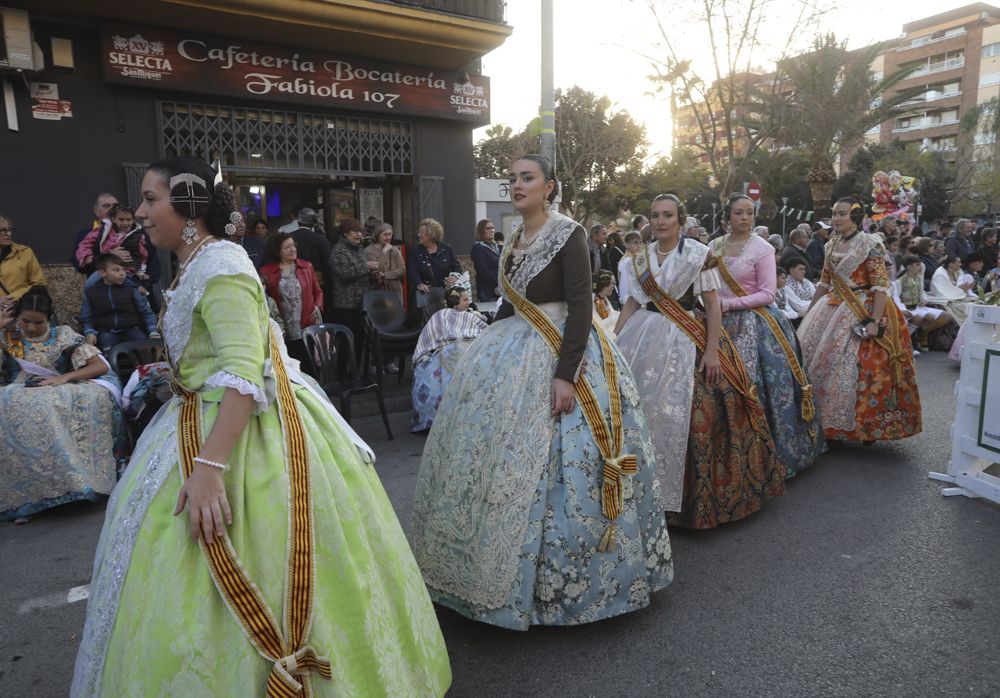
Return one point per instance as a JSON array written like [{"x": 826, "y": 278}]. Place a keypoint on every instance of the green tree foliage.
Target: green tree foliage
[
  {"x": 681, "y": 173},
  {"x": 596, "y": 151},
  {"x": 979, "y": 188},
  {"x": 780, "y": 173},
  {"x": 831, "y": 98},
  {"x": 494, "y": 153}
]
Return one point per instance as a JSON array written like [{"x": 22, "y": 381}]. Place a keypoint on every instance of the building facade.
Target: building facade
[
  {"x": 357, "y": 108},
  {"x": 952, "y": 54}
]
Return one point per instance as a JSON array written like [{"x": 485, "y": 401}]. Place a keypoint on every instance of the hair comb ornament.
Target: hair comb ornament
[
  {"x": 189, "y": 195},
  {"x": 234, "y": 220}
]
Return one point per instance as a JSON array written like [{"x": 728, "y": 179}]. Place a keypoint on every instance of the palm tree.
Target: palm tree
[{"x": 831, "y": 98}]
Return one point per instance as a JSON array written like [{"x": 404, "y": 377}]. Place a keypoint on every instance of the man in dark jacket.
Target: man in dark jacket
[
  {"x": 815, "y": 250},
  {"x": 797, "y": 251},
  {"x": 959, "y": 244},
  {"x": 314, "y": 248}
]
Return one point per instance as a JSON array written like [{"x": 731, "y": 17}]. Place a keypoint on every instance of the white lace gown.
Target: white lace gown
[{"x": 662, "y": 360}]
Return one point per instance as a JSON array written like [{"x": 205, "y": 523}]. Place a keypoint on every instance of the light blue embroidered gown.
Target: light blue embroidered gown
[{"x": 507, "y": 516}]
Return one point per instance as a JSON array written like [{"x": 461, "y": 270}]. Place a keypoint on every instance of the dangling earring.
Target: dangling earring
[
  {"x": 190, "y": 233},
  {"x": 546, "y": 205}
]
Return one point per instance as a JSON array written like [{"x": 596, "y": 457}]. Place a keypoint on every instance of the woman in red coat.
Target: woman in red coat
[{"x": 291, "y": 282}]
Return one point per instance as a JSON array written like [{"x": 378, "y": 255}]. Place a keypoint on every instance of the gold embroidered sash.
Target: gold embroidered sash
[
  {"x": 602, "y": 307},
  {"x": 293, "y": 659},
  {"x": 609, "y": 440},
  {"x": 730, "y": 362},
  {"x": 808, "y": 406},
  {"x": 890, "y": 341}
]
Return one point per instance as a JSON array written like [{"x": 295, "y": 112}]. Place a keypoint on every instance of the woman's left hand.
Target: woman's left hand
[
  {"x": 563, "y": 397},
  {"x": 316, "y": 317},
  {"x": 871, "y": 329},
  {"x": 55, "y": 380},
  {"x": 711, "y": 366},
  {"x": 204, "y": 492}
]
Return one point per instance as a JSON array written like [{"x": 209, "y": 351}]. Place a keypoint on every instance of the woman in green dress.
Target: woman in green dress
[{"x": 288, "y": 574}]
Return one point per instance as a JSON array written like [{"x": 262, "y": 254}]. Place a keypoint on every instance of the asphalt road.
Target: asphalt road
[{"x": 861, "y": 581}]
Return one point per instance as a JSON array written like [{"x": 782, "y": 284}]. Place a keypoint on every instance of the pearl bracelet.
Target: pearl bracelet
[{"x": 211, "y": 463}]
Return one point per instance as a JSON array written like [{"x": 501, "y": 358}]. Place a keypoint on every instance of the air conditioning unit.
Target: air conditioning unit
[{"x": 18, "y": 50}]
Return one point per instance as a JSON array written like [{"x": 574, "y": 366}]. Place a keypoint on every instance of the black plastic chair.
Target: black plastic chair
[
  {"x": 126, "y": 356},
  {"x": 387, "y": 334},
  {"x": 323, "y": 344},
  {"x": 435, "y": 302}
]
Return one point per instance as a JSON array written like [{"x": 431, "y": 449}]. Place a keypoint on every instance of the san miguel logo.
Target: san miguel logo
[
  {"x": 138, "y": 58},
  {"x": 469, "y": 99},
  {"x": 220, "y": 66}
]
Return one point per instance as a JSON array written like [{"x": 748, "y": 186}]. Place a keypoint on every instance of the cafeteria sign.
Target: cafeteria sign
[{"x": 168, "y": 59}]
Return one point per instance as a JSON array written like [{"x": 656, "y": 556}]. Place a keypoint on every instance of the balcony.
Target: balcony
[
  {"x": 918, "y": 124},
  {"x": 938, "y": 67},
  {"x": 924, "y": 41},
  {"x": 931, "y": 96},
  {"x": 490, "y": 10}
]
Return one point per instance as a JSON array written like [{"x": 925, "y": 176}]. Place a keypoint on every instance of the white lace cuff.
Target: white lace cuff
[{"x": 222, "y": 379}]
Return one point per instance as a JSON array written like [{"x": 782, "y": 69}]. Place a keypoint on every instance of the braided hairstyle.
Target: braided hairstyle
[
  {"x": 727, "y": 209},
  {"x": 453, "y": 296},
  {"x": 221, "y": 201},
  {"x": 548, "y": 172},
  {"x": 857, "y": 210},
  {"x": 601, "y": 279},
  {"x": 682, "y": 214}
]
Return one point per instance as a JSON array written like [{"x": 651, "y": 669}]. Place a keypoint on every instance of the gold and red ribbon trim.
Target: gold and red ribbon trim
[
  {"x": 730, "y": 361},
  {"x": 808, "y": 406},
  {"x": 617, "y": 465},
  {"x": 890, "y": 341},
  {"x": 293, "y": 660}
]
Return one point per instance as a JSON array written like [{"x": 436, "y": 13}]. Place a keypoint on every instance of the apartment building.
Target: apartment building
[{"x": 956, "y": 61}]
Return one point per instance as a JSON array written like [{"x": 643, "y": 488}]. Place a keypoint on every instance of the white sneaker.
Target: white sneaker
[{"x": 916, "y": 353}]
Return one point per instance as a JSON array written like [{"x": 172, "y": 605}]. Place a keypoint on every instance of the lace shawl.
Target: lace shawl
[
  {"x": 858, "y": 250},
  {"x": 552, "y": 237}
]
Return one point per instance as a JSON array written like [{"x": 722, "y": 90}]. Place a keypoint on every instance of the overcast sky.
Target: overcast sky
[{"x": 600, "y": 45}]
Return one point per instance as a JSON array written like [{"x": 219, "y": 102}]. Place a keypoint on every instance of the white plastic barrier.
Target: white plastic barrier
[{"x": 975, "y": 433}]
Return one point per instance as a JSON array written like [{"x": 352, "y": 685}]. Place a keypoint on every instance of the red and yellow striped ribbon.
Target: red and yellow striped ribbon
[
  {"x": 890, "y": 341},
  {"x": 808, "y": 406},
  {"x": 293, "y": 660},
  {"x": 609, "y": 440},
  {"x": 730, "y": 361}
]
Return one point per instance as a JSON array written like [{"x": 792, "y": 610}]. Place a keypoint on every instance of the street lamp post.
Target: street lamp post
[{"x": 784, "y": 216}]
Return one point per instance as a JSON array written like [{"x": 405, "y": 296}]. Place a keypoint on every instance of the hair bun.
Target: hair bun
[{"x": 220, "y": 207}]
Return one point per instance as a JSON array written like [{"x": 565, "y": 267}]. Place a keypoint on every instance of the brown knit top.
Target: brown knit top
[{"x": 566, "y": 278}]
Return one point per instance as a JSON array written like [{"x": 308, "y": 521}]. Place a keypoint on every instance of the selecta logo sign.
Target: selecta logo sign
[
  {"x": 173, "y": 60},
  {"x": 137, "y": 58}
]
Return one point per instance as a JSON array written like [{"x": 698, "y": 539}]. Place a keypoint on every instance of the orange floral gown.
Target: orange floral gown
[{"x": 860, "y": 394}]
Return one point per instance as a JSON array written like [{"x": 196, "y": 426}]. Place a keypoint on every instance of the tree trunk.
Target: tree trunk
[{"x": 821, "y": 179}]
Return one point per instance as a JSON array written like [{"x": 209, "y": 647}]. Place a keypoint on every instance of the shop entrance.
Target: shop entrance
[{"x": 274, "y": 199}]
